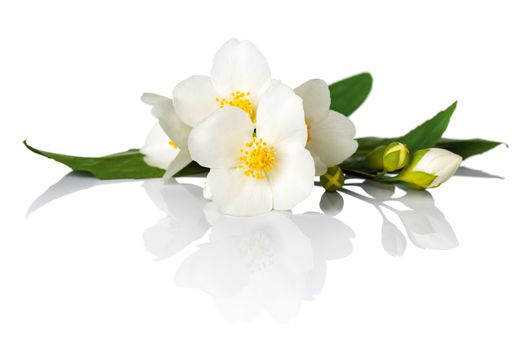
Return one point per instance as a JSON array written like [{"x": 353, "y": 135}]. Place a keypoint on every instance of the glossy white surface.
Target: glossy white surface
[
  {"x": 144, "y": 264},
  {"x": 136, "y": 265}
]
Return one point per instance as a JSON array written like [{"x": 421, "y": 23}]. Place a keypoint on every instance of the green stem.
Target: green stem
[{"x": 388, "y": 179}]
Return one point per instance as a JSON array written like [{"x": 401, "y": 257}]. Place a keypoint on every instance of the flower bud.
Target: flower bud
[
  {"x": 374, "y": 159},
  {"x": 395, "y": 156},
  {"x": 333, "y": 179},
  {"x": 430, "y": 168}
]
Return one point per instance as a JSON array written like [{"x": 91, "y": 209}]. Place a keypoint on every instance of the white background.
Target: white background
[{"x": 75, "y": 275}]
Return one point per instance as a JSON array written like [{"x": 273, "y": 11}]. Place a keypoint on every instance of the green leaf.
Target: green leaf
[
  {"x": 425, "y": 135},
  {"x": 464, "y": 148},
  {"x": 350, "y": 93},
  {"x": 467, "y": 148},
  {"x": 125, "y": 165},
  {"x": 428, "y": 134}
]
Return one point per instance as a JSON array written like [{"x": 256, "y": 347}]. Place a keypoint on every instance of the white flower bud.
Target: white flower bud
[{"x": 430, "y": 168}]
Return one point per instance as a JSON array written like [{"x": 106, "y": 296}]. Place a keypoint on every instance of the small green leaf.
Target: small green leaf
[
  {"x": 124, "y": 165},
  {"x": 350, "y": 93},
  {"x": 428, "y": 134}
]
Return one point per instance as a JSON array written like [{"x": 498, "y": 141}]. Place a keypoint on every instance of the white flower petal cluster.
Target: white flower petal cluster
[
  {"x": 255, "y": 167},
  {"x": 176, "y": 131},
  {"x": 262, "y": 141},
  {"x": 239, "y": 77},
  {"x": 330, "y": 134}
]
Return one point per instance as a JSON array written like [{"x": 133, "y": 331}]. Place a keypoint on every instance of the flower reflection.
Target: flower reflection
[
  {"x": 184, "y": 222},
  {"x": 270, "y": 262},
  {"x": 424, "y": 224},
  {"x": 251, "y": 265}
]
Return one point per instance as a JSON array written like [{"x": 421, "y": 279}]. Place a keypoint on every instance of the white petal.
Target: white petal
[
  {"x": 332, "y": 139},
  {"x": 292, "y": 178},
  {"x": 151, "y": 99},
  {"x": 162, "y": 109},
  {"x": 280, "y": 116},
  {"x": 439, "y": 162},
  {"x": 194, "y": 99},
  {"x": 217, "y": 141},
  {"x": 316, "y": 98},
  {"x": 157, "y": 150},
  {"x": 179, "y": 163},
  {"x": 320, "y": 166},
  {"x": 239, "y": 195},
  {"x": 239, "y": 65}
]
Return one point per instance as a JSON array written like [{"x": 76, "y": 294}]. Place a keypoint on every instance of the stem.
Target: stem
[{"x": 361, "y": 174}]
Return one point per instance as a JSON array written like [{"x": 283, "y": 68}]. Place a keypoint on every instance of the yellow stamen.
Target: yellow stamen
[
  {"x": 257, "y": 158},
  {"x": 308, "y": 129},
  {"x": 173, "y": 144},
  {"x": 241, "y": 100}
]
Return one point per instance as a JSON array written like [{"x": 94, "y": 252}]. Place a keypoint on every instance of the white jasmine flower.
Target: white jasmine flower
[
  {"x": 255, "y": 167},
  {"x": 330, "y": 134},
  {"x": 239, "y": 76},
  {"x": 430, "y": 168},
  {"x": 157, "y": 148}
]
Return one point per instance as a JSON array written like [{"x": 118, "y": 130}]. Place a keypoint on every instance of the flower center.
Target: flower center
[
  {"x": 241, "y": 100},
  {"x": 257, "y": 158},
  {"x": 308, "y": 129},
  {"x": 173, "y": 144}
]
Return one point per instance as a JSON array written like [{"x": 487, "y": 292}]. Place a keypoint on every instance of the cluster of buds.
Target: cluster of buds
[{"x": 426, "y": 168}]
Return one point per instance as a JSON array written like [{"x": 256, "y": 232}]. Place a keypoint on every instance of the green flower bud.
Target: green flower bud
[
  {"x": 430, "y": 168},
  {"x": 333, "y": 179},
  {"x": 395, "y": 156},
  {"x": 374, "y": 159}
]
